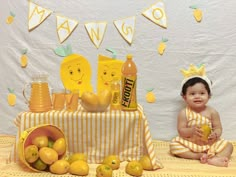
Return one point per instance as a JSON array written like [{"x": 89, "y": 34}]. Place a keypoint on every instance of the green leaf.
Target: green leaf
[
  {"x": 193, "y": 7},
  {"x": 150, "y": 89},
  {"x": 24, "y": 51},
  {"x": 12, "y": 14},
  {"x": 60, "y": 51},
  {"x": 114, "y": 54},
  {"x": 10, "y": 90},
  {"x": 164, "y": 39}
]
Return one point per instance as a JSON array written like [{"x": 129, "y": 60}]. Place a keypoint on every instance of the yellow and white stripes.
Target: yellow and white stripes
[
  {"x": 124, "y": 133},
  {"x": 180, "y": 145}
]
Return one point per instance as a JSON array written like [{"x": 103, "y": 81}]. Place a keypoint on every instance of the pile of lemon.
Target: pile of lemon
[{"x": 133, "y": 168}]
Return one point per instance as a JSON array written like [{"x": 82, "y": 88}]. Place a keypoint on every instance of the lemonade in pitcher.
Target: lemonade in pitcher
[{"x": 40, "y": 100}]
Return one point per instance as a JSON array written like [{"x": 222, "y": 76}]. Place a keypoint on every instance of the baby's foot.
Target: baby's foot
[
  {"x": 203, "y": 159},
  {"x": 218, "y": 161}
]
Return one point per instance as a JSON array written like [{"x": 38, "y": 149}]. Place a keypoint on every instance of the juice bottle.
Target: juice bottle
[
  {"x": 129, "y": 82},
  {"x": 115, "y": 90}
]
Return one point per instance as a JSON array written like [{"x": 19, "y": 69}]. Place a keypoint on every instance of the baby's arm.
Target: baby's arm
[
  {"x": 216, "y": 125},
  {"x": 184, "y": 130}
]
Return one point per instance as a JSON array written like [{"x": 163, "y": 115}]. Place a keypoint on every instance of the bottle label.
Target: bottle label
[
  {"x": 116, "y": 97},
  {"x": 129, "y": 93}
]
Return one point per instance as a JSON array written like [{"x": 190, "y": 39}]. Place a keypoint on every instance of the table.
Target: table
[{"x": 123, "y": 133}]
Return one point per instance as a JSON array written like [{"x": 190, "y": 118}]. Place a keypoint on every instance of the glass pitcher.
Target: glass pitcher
[{"x": 40, "y": 100}]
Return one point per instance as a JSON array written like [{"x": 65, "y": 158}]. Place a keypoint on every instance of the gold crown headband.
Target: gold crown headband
[{"x": 193, "y": 72}]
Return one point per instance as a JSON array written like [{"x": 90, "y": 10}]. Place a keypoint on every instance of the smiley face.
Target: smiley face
[
  {"x": 76, "y": 73},
  {"x": 107, "y": 71}
]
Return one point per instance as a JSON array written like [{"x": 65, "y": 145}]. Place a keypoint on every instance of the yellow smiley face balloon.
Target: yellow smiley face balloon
[
  {"x": 76, "y": 73},
  {"x": 108, "y": 69}
]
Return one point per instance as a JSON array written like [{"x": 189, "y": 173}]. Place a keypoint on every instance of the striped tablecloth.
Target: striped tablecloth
[{"x": 124, "y": 133}]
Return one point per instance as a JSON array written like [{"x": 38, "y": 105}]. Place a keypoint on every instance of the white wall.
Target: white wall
[{"x": 213, "y": 42}]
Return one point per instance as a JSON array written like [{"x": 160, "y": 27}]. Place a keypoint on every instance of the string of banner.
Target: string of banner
[{"x": 96, "y": 30}]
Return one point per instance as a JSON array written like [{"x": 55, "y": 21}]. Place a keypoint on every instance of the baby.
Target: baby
[{"x": 190, "y": 144}]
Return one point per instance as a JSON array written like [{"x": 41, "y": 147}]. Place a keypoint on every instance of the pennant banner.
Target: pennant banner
[
  {"x": 65, "y": 27},
  {"x": 96, "y": 30},
  {"x": 37, "y": 15},
  {"x": 126, "y": 28},
  {"x": 156, "y": 13}
]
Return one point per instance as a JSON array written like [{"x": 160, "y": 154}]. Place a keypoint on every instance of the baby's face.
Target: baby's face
[{"x": 196, "y": 96}]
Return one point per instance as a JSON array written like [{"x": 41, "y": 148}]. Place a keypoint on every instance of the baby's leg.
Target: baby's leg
[
  {"x": 193, "y": 155},
  {"x": 218, "y": 161},
  {"x": 222, "y": 159}
]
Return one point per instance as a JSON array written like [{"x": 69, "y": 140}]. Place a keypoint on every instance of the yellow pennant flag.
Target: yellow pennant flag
[
  {"x": 36, "y": 15},
  {"x": 96, "y": 31},
  {"x": 65, "y": 27},
  {"x": 126, "y": 28},
  {"x": 156, "y": 13}
]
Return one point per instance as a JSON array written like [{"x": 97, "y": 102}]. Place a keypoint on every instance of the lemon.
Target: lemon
[
  {"x": 79, "y": 167},
  {"x": 104, "y": 170},
  {"x": 197, "y": 13},
  {"x": 60, "y": 146},
  {"x": 161, "y": 48},
  {"x": 113, "y": 161},
  {"x": 146, "y": 162},
  {"x": 60, "y": 167},
  {"x": 134, "y": 168},
  {"x": 206, "y": 132},
  {"x": 24, "y": 60},
  {"x": 77, "y": 156},
  {"x": 31, "y": 153},
  {"x": 39, "y": 165},
  {"x": 48, "y": 155},
  {"x": 11, "y": 97},
  {"x": 40, "y": 141},
  {"x": 150, "y": 96}
]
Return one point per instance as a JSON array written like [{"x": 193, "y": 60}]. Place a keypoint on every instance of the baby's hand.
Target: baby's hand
[
  {"x": 212, "y": 138},
  {"x": 197, "y": 131}
]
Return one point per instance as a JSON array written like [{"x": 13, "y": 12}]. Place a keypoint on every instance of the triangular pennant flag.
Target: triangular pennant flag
[
  {"x": 156, "y": 13},
  {"x": 96, "y": 32},
  {"x": 65, "y": 27},
  {"x": 36, "y": 15},
  {"x": 126, "y": 28}
]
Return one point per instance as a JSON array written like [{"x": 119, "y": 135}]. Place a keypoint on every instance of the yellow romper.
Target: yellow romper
[{"x": 180, "y": 145}]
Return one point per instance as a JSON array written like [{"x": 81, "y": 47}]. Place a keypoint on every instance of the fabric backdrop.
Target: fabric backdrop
[{"x": 211, "y": 42}]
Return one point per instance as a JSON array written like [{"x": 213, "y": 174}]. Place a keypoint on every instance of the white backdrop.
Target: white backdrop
[{"x": 212, "y": 42}]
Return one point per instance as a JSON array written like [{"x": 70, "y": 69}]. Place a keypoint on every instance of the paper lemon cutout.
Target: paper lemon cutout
[
  {"x": 126, "y": 28},
  {"x": 11, "y": 97},
  {"x": 24, "y": 58},
  {"x": 150, "y": 96},
  {"x": 36, "y": 15},
  {"x": 108, "y": 69},
  {"x": 65, "y": 27},
  {"x": 156, "y": 13},
  {"x": 76, "y": 73},
  {"x": 162, "y": 46},
  {"x": 96, "y": 31},
  {"x": 10, "y": 18},
  {"x": 197, "y": 13}
]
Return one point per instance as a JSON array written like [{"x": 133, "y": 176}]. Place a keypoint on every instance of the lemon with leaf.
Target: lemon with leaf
[
  {"x": 197, "y": 13},
  {"x": 150, "y": 96},
  {"x": 162, "y": 46},
  {"x": 11, "y": 97}
]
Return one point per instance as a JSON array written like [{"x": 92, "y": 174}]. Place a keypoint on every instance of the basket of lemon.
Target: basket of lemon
[{"x": 41, "y": 146}]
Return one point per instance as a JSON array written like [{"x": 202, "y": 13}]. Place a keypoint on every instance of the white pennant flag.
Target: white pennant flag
[
  {"x": 36, "y": 15},
  {"x": 126, "y": 28},
  {"x": 156, "y": 13},
  {"x": 96, "y": 32},
  {"x": 65, "y": 27}
]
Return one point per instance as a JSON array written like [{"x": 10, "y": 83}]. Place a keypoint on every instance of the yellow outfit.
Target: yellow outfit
[{"x": 180, "y": 145}]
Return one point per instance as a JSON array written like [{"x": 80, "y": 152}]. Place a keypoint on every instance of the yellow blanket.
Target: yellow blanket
[{"x": 173, "y": 166}]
